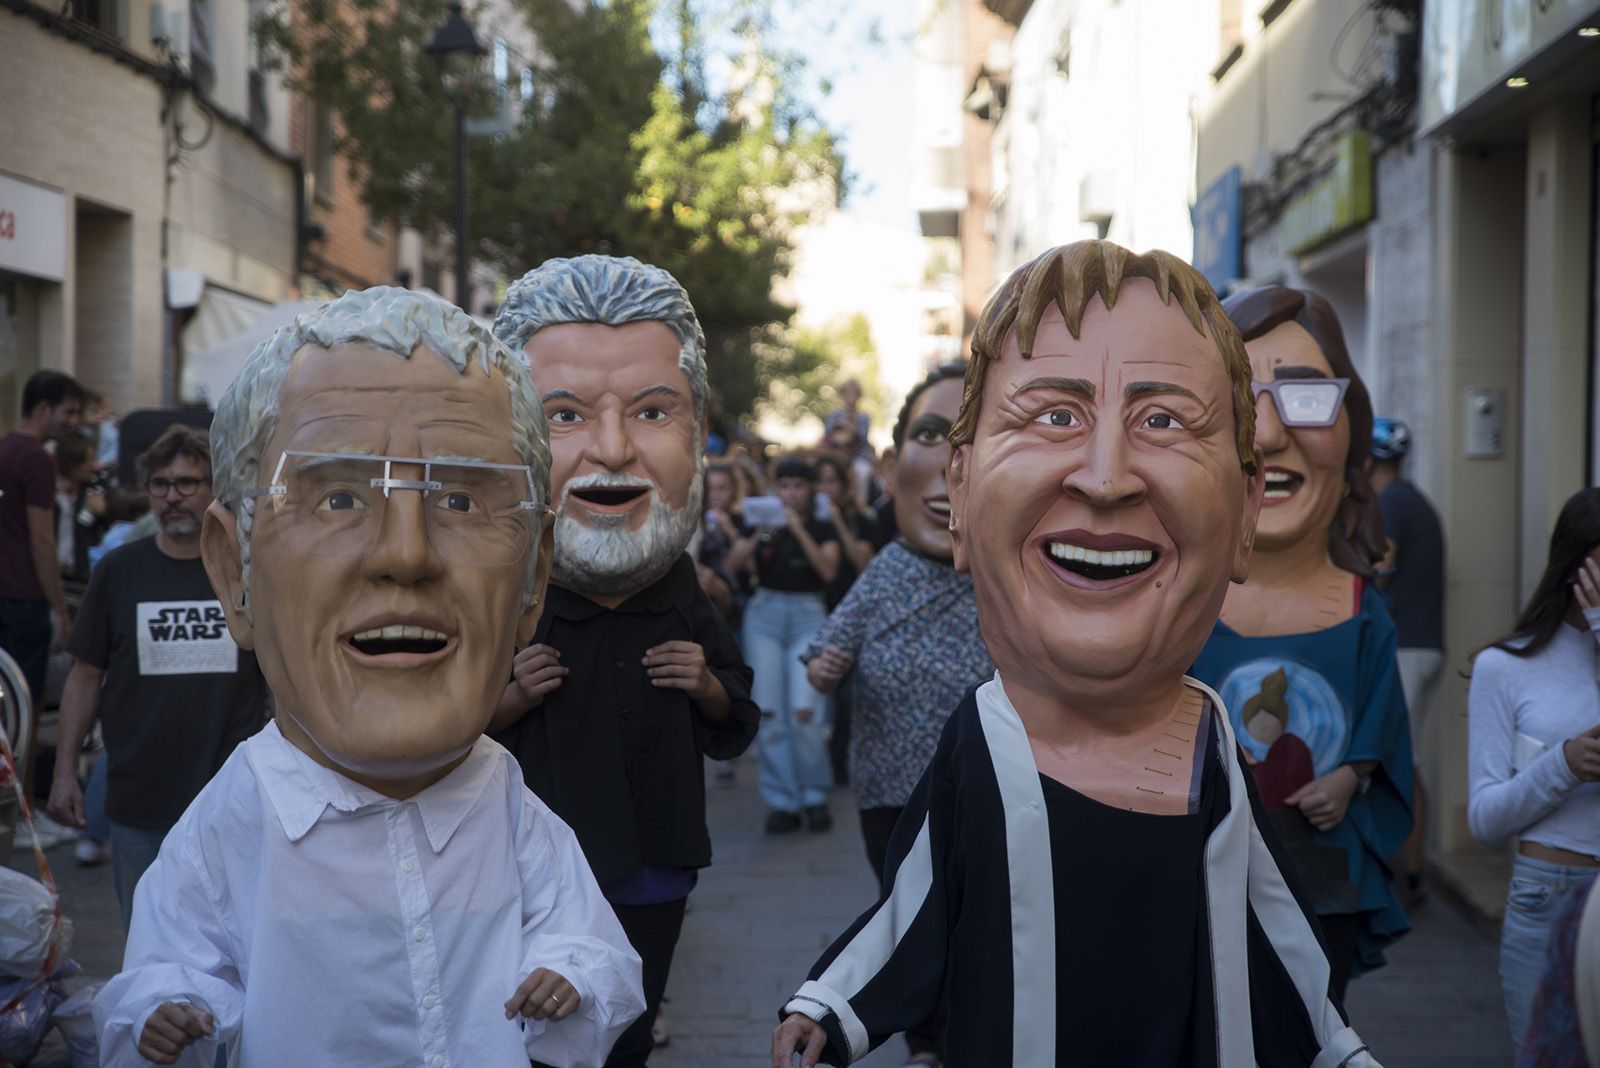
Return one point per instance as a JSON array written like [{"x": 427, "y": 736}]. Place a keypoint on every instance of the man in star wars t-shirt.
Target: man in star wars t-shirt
[{"x": 152, "y": 658}]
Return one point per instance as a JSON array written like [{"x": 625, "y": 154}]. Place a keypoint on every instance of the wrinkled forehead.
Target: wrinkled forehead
[{"x": 353, "y": 397}]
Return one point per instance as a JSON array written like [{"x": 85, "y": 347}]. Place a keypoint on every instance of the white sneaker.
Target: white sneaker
[{"x": 90, "y": 851}]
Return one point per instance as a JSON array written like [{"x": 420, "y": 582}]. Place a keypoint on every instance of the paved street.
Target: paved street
[{"x": 770, "y": 905}]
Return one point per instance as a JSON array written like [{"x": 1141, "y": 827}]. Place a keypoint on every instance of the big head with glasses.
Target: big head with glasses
[
  {"x": 1313, "y": 425},
  {"x": 388, "y": 516}
]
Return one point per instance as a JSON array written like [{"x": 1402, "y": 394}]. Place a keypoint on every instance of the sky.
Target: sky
[{"x": 871, "y": 104}]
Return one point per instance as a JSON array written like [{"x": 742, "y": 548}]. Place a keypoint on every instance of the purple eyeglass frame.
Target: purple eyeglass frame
[{"x": 1258, "y": 388}]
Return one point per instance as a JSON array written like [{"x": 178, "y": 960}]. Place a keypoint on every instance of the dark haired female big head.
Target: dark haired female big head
[{"x": 922, "y": 452}]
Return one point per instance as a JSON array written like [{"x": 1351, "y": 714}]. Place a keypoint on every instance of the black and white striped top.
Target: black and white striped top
[{"x": 987, "y": 875}]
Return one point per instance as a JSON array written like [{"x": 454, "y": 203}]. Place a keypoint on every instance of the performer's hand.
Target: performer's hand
[
  {"x": 681, "y": 665},
  {"x": 1325, "y": 799},
  {"x": 797, "y": 1034},
  {"x": 66, "y": 796},
  {"x": 1582, "y": 753},
  {"x": 544, "y": 995},
  {"x": 828, "y": 668},
  {"x": 171, "y": 1029},
  {"x": 537, "y": 670}
]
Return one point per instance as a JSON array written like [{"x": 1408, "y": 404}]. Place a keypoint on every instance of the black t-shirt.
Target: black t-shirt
[
  {"x": 1416, "y": 588},
  {"x": 781, "y": 562},
  {"x": 178, "y": 694}
]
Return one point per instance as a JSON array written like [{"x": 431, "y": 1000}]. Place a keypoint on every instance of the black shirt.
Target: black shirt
[
  {"x": 178, "y": 693},
  {"x": 781, "y": 562},
  {"x": 1416, "y": 587},
  {"x": 616, "y": 757}
]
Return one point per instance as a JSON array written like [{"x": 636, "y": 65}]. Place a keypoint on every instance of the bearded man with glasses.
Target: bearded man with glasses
[{"x": 153, "y": 660}]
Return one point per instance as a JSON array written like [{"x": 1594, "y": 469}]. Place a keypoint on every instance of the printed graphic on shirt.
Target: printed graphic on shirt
[
  {"x": 1278, "y": 698},
  {"x": 185, "y": 638}
]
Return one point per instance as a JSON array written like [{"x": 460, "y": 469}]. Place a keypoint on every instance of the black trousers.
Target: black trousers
[
  {"x": 877, "y": 825},
  {"x": 653, "y": 930}
]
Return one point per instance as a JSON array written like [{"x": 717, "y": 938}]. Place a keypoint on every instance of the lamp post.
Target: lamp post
[{"x": 455, "y": 49}]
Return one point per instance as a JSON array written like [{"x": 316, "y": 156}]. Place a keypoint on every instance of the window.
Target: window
[{"x": 101, "y": 14}]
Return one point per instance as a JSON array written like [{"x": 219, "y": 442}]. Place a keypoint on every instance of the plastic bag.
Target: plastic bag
[
  {"x": 76, "y": 1022},
  {"x": 24, "y": 1025},
  {"x": 28, "y": 928}
]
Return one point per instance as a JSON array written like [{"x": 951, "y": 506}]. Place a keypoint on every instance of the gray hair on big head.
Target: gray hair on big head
[
  {"x": 390, "y": 320},
  {"x": 612, "y": 291}
]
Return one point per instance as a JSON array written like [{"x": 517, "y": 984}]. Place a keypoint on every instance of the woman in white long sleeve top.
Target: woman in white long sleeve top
[{"x": 1534, "y": 722}]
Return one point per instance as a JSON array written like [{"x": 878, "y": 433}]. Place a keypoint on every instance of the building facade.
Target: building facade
[
  {"x": 1096, "y": 136},
  {"x": 147, "y": 188}
]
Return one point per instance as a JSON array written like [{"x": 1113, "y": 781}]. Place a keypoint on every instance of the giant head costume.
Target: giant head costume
[
  {"x": 381, "y": 537},
  {"x": 1103, "y": 486},
  {"x": 618, "y": 360}
]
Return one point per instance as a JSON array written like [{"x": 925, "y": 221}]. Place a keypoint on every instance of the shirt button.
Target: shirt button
[
  {"x": 429, "y": 1002},
  {"x": 419, "y": 934},
  {"x": 407, "y": 866}
]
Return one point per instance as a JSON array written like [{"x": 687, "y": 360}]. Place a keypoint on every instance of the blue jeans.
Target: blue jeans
[
  {"x": 133, "y": 849},
  {"x": 25, "y": 634},
  {"x": 1537, "y": 887},
  {"x": 793, "y": 740}
]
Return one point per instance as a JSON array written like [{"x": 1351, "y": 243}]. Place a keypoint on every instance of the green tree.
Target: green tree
[
  {"x": 623, "y": 151},
  {"x": 806, "y": 366}
]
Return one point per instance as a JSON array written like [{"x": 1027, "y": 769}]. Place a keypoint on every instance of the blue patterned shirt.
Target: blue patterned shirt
[{"x": 912, "y": 625}]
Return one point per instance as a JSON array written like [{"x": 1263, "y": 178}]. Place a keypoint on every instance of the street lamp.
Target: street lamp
[{"x": 455, "y": 49}]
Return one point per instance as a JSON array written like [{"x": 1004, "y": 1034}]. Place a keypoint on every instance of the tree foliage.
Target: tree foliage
[
  {"x": 622, "y": 151},
  {"x": 804, "y": 372}
]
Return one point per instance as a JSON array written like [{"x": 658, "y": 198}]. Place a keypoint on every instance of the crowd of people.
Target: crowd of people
[{"x": 708, "y": 593}]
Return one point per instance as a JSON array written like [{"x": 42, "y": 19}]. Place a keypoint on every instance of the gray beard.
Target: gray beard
[
  {"x": 180, "y": 528},
  {"x": 607, "y": 558}
]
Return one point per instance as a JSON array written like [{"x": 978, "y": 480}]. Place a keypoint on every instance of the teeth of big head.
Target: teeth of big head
[
  {"x": 398, "y": 632},
  {"x": 1115, "y": 558}
]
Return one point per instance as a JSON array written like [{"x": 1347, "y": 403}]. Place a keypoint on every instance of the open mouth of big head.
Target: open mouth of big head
[
  {"x": 1098, "y": 559},
  {"x": 399, "y": 644},
  {"x": 610, "y": 497}
]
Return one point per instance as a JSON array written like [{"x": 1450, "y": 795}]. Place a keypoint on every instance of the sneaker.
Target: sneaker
[
  {"x": 819, "y": 819},
  {"x": 660, "y": 1031},
  {"x": 50, "y": 833},
  {"x": 90, "y": 851},
  {"x": 782, "y": 822}
]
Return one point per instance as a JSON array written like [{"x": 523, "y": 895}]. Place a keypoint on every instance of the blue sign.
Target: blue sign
[{"x": 1218, "y": 229}]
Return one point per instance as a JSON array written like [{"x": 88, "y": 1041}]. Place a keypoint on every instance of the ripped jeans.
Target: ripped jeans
[{"x": 793, "y": 740}]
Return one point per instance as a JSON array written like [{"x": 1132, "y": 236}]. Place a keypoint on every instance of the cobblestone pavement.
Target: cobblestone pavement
[{"x": 770, "y": 905}]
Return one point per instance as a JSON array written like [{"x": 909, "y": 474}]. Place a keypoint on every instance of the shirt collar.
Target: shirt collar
[
  {"x": 302, "y": 791},
  {"x": 673, "y": 587}
]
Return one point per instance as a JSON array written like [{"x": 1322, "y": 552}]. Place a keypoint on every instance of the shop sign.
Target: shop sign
[
  {"x": 1218, "y": 218},
  {"x": 1338, "y": 200},
  {"x": 33, "y": 230},
  {"x": 1469, "y": 46}
]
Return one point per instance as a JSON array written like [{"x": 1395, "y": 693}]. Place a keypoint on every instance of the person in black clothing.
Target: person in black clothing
[
  {"x": 633, "y": 676},
  {"x": 1411, "y": 576}
]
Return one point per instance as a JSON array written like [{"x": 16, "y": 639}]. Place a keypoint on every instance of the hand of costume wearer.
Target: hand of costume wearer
[
  {"x": 1324, "y": 799},
  {"x": 537, "y": 670},
  {"x": 797, "y": 1034},
  {"x": 827, "y": 669},
  {"x": 61, "y": 625},
  {"x": 544, "y": 995},
  {"x": 1583, "y": 755},
  {"x": 681, "y": 665},
  {"x": 66, "y": 797},
  {"x": 171, "y": 1029}
]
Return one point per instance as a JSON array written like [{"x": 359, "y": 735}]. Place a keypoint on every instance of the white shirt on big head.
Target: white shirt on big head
[{"x": 320, "y": 922}]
